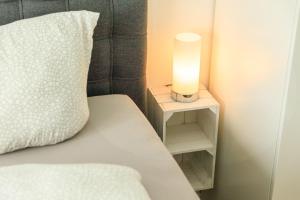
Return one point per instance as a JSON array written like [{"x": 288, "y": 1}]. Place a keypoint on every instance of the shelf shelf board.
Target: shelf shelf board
[
  {"x": 186, "y": 138},
  {"x": 163, "y": 98}
]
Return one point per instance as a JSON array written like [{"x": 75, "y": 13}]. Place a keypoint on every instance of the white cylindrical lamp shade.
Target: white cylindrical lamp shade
[{"x": 186, "y": 64}]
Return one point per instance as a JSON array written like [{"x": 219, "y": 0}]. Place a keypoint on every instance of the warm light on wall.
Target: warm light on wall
[{"x": 186, "y": 67}]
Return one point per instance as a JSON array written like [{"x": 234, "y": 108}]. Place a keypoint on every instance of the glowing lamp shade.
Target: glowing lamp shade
[{"x": 186, "y": 67}]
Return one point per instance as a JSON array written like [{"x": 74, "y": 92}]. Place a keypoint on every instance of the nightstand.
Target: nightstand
[{"x": 189, "y": 131}]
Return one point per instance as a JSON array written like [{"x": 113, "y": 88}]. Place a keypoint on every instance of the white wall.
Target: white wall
[
  {"x": 252, "y": 42},
  {"x": 167, "y": 18},
  {"x": 287, "y": 174}
]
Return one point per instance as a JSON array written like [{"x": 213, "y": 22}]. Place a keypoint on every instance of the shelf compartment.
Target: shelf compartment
[
  {"x": 187, "y": 138},
  {"x": 197, "y": 168}
]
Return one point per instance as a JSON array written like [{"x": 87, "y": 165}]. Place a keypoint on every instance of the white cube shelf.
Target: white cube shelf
[{"x": 189, "y": 131}]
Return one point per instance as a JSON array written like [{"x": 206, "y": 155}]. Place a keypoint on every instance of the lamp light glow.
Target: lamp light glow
[{"x": 186, "y": 67}]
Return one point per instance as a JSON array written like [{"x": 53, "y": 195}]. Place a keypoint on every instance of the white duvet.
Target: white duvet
[{"x": 71, "y": 182}]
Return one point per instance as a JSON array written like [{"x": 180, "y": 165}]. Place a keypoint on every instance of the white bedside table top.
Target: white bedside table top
[{"x": 163, "y": 97}]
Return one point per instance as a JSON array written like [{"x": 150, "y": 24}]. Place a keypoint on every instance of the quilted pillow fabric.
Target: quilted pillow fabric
[{"x": 43, "y": 75}]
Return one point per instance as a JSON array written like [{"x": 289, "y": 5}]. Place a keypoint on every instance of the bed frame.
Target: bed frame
[{"x": 119, "y": 51}]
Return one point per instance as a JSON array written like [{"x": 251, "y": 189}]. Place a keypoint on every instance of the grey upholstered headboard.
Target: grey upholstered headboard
[{"x": 119, "y": 53}]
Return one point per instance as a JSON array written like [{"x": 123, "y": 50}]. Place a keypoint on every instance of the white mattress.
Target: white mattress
[{"x": 117, "y": 133}]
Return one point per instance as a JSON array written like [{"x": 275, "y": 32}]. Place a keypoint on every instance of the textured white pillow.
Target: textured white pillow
[
  {"x": 43, "y": 75},
  {"x": 71, "y": 182}
]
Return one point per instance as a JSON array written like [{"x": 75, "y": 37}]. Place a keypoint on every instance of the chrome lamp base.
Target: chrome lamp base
[{"x": 184, "y": 98}]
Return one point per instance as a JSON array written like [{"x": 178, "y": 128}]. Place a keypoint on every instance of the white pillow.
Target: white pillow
[
  {"x": 43, "y": 75},
  {"x": 71, "y": 182}
]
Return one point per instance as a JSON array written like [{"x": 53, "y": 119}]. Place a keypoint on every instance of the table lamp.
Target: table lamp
[{"x": 186, "y": 67}]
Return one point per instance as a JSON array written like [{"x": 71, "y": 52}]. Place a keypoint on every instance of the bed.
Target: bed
[{"x": 117, "y": 132}]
